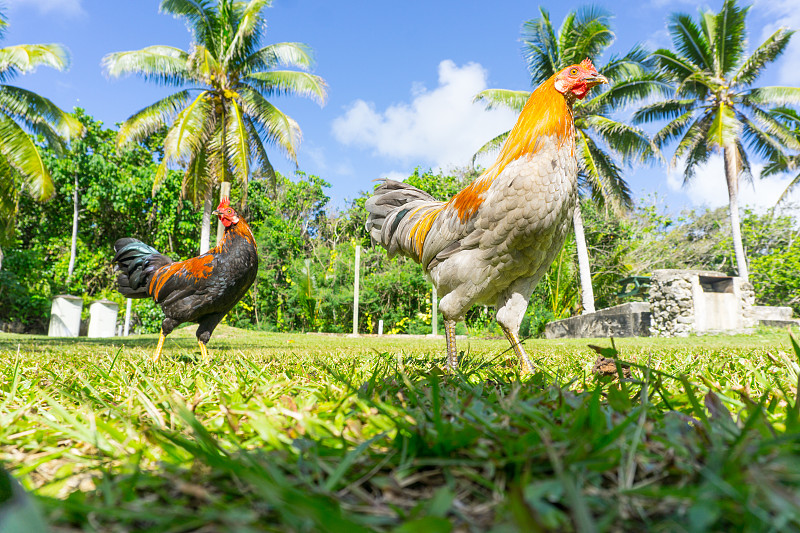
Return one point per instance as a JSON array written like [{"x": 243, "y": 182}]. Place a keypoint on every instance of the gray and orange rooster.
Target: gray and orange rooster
[
  {"x": 201, "y": 289},
  {"x": 493, "y": 241}
]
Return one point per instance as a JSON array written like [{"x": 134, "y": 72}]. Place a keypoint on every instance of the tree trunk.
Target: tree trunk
[
  {"x": 587, "y": 294},
  {"x": 732, "y": 177},
  {"x": 73, "y": 252},
  {"x": 1, "y": 259},
  {"x": 205, "y": 229},
  {"x": 224, "y": 191}
]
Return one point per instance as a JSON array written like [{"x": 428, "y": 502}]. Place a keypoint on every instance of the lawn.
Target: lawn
[{"x": 293, "y": 432}]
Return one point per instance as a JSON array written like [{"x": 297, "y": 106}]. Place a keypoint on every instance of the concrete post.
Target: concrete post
[
  {"x": 355, "y": 289},
  {"x": 126, "y": 331}
]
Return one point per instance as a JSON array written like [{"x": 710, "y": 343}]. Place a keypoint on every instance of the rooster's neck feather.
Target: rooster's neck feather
[{"x": 546, "y": 117}]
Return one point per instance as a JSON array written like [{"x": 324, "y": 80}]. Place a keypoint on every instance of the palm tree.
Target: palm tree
[
  {"x": 781, "y": 162},
  {"x": 220, "y": 120},
  {"x": 23, "y": 112},
  {"x": 587, "y": 33},
  {"x": 715, "y": 107}
]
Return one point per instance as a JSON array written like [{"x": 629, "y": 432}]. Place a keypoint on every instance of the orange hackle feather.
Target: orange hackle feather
[{"x": 546, "y": 116}]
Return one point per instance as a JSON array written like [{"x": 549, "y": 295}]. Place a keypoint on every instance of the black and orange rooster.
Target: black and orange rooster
[
  {"x": 493, "y": 241},
  {"x": 201, "y": 289}
]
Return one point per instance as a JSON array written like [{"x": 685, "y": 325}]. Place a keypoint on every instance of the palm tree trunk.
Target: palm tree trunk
[
  {"x": 587, "y": 294},
  {"x": 73, "y": 251},
  {"x": 732, "y": 177},
  {"x": 205, "y": 229}
]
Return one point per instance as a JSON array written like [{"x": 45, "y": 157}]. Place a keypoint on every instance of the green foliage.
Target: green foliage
[{"x": 115, "y": 201}]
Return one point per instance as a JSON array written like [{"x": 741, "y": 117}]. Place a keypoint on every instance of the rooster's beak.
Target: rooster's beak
[
  {"x": 215, "y": 212},
  {"x": 596, "y": 79}
]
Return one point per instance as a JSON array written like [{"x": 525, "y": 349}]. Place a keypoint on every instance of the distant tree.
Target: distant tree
[
  {"x": 220, "y": 120},
  {"x": 22, "y": 112},
  {"x": 587, "y": 33},
  {"x": 715, "y": 107}
]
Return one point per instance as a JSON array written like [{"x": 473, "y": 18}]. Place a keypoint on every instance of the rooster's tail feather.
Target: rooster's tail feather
[
  {"x": 399, "y": 217},
  {"x": 136, "y": 262}
]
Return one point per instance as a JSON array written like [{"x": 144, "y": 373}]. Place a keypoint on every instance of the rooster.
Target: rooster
[
  {"x": 493, "y": 241},
  {"x": 201, "y": 289}
]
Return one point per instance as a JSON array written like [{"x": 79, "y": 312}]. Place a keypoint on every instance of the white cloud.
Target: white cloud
[
  {"x": 440, "y": 127},
  {"x": 708, "y": 187},
  {"x": 46, "y": 7}
]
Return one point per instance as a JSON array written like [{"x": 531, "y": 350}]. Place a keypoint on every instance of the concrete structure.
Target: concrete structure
[
  {"x": 103, "y": 319},
  {"x": 699, "y": 301},
  {"x": 65, "y": 316},
  {"x": 768, "y": 315},
  {"x": 627, "y": 320}
]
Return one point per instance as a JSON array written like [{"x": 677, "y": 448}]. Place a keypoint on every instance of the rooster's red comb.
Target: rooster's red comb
[
  {"x": 223, "y": 203},
  {"x": 587, "y": 64}
]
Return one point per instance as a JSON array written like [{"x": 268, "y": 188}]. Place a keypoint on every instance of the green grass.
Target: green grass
[{"x": 300, "y": 432}]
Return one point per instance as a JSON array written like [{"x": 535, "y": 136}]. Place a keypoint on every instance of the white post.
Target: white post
[
  {"x": 380, "y": 327},
  {"x": 355, "y": 289},
  {"x": 224, "y": 190},
  {"x": 126, "y": 330},
  {"x": 434, "y": 311}
]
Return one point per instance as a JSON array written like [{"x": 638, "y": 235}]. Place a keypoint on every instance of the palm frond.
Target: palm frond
[
  {"x": 199, "y": 14},
  {"x": 296, "y": 55},
  {"x": 20, "y": 153},
  {"x": 768, "y": 52},
  {"x": 762, "y": 142},
  {"x": 289, "y": 82},
  {"x": 164, "y": 65},
  {"x": 540, "y": 47},
  {"x": 259, "y": 153},
  {"x": 190, "y": 130},
  {"x": 690, "y": 42},
  {"x": 39, "y": 114},
  {"x": 663, "y": 110},
  {"x": 199, "y": 177},
  {"x": 249, "y": 24},
  {"x": 673, "y": 129},
  {"x": 502, "y": 99},
  {"x": 24, "y": 58},
  {"x": 725, "y": 127},
  {"x": 694, "y": 146},
  {"x": 237, "y": 144},
  {"x": 631, "y": 143},
  {"x": 272, "y": 124},
  {"x": 602, "y": 175},
  {"x": 590, "y": 36},
  {"x": 774, "y": 95},
  {"x": 152, "y": 118},
  {"x": 729, "y": 36},
  {"x": 788, "y": 190},
  {"x": 629, "y": 90},
  {"x": 491, "y": 146},
  {"x": 203, "y": 65},
  {"x": 775, "y": 128}
]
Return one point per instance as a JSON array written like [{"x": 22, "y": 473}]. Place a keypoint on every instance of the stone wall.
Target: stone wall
[{"x": 699, "y": 301}]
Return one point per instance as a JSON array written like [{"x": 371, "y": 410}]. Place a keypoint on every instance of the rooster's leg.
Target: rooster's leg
[
  {"x": 525, "y": 361},
  {"x": 450, "y": 339},
  {"x": 203, "y": 351},
  {"x": 157, "y": 355}
]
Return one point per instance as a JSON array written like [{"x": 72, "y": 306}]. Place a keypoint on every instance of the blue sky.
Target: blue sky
[{"x": 401, "y": 76}]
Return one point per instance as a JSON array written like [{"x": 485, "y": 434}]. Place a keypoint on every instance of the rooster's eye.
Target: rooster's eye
[{"x": 573, "y": 72}]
